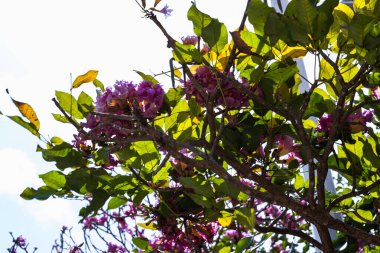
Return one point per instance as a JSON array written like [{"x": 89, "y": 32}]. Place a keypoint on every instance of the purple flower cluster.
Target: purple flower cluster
[
  {"x": 150, "y": 98},
  {"x": 21, "y": 241},
  {"x": 354, "y": 123},
  {"x": 221, "y": 92},
  {"x": 91, "y": 222},
  {"x": 190, "y": 40},
  {"x": 119, "y": 99},
  {"x": 267, "y": 213},
  {"x": 113, "y": 248}
]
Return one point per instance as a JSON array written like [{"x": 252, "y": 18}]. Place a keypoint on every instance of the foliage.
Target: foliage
[{"x": 235, "y": 154}]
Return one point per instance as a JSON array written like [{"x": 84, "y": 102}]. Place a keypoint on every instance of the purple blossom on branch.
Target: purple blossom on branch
[
  {"x": 150, "y": 98},
  {"x": 166, "y": 11},
  {"x": 190, "y": 40}
]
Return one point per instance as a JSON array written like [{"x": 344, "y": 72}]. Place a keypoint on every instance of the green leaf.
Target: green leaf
[
  {"x": 98, "y": 84},
  {"x": 210, "y": 29},
  {"x": 140, "y": 242},
  {"x": 201, "y": 200},
  {"x": 173, "y": 96},
  {"x": 99, "y": 198},
  {"x": 225, "y": 249},
  {"x": 257, "y": 43},
  {"x": 361, "y": 216},
  {"x": 198, "y": 184},
  {"x": 306, "y": 17},
  {"x": 245, "y": 216},
  {"x": 69, "y": 104},
  {"x": 359, "y": 27},
  {"x": 64, "y": 155},
  {"x": 42, "y": 193},
  {"x": 54, "y": 179},
  {"x": 275, "y": 28},
  {"x": 85, "y": 103},
  {"x": 60, "y": 118},
  {"x": 186, "y": 54},
  {"x": 244, "y": 244},
  {"x": 320, "y": 103},
  {"x": 257, "y": 15},
  {"x": 27, "y": 125},
  {"x": 280, "y": 72},
  {"x": 116, "y": 202},
  {"x": 148, "y": 153},
  {"x": 146, "y": 77}
]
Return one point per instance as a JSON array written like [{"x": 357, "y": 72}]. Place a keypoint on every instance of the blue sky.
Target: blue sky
[{"x": 41, "y": 43}]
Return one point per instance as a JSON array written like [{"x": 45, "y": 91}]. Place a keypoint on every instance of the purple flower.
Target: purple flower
[
  {"x": 150, "y": 98},
  {"x": 75, "y": 249},
  {"x": 294, "y": 154},
  {"x": 21, "y": 241},
  {"x": 89, "y": 222},
  {"x": 116, "y": 99},
  {"x": 229, "y": 97},
  {"x": 285, "y": 144},
  {"x": 376, "y": 92},
  {"x": 357, "y": 121},
  {"x": 205, "y": 49},
  {"x": 113, "y": 248},
  {"x": 190, "y": 40},
  {"x": 325, "y": 123},
  {"x": 234, "y": 235},
  {"x": 166, "y": 11}
]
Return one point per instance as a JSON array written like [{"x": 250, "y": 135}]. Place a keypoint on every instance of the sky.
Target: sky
[{"x": 41, "y": 43}]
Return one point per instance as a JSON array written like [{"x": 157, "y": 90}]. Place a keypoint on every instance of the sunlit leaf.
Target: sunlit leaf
[
  {"x": 28, "y": 112},
  {"x": 54, "y": 179},
  {"x": 69, "y": 104},
  {"x": 258, "y": 13},
  {"x": 245, "y": 217},
  {"x": 226, "y": 219},
  {"x": 210, "y": 29},
  {"x": 140, "y": 242},
  {"x": 147, "y": 77},
  {"x": 27, "y": 125},
  {"x": 90, "y": 76},
  {"x": 116, "y": 202},
  {"x": 148, "y": 225}
]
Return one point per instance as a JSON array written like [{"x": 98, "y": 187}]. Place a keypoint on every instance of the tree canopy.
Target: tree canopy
[{"x": 234, "y": 152}]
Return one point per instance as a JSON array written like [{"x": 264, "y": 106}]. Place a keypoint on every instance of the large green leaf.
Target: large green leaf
[
  {"x": 257, "y": 15},
  {"x": 27, "y": 125},
  {"x": 198, "y": 184},
  {"x": 69, "y": 104},
  {"x": 245, "y": 217},
  {"x": 42, "y": 193},
  {"x": 306, "y": 17},
  {"x": 186, "y": 54},
  {"x": 210, "y": 29},
  {"x": 54, "y": 179}
]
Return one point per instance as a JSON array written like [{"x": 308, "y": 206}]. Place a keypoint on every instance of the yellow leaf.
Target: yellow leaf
[
  {"x": 90, "y": 76},
  {"x": 28, "y": 112},
  {"x": 148, "y": 225},
  {"x": 226, "y": 220},
  {"x": 282, "y": 51},
  {"x": 177, "y": 73},
  {"x": 294, "y": 52}
]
